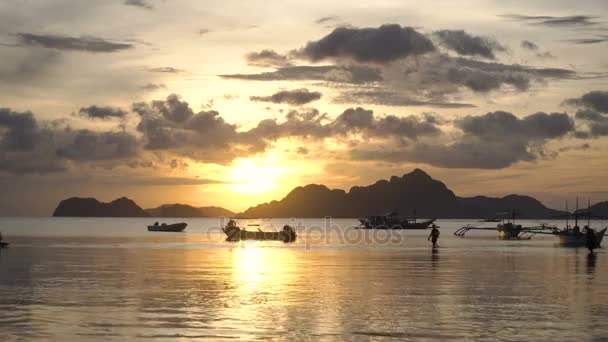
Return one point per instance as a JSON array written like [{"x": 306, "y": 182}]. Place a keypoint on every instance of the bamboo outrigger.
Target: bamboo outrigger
[{"x": 507, "y": 230}]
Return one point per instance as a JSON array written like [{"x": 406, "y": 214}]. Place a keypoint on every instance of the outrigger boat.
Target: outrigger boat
[
  {"x": 574, "y": 236},
  {"x": 393, "y": 221},
  {"x": 507, "y": 230},
  {"x": 175, "y": 227},
  {"x": 235, "y": 233}
]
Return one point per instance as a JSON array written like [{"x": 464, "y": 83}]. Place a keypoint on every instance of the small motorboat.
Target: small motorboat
[
  {"x": 175, "y": 227},
  {"x": 235, "y": 233}
]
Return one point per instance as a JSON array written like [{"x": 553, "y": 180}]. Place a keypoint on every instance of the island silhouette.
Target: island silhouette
[{"x": 414, "y": 194}]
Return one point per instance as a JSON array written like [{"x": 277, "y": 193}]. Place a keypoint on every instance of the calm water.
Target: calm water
[{"x": 109, "y": 279}]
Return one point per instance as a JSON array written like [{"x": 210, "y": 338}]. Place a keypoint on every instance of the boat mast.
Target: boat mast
[
  {"x": 567, "y": 215},
  {"x": 576, "y": 213},
  {"x": 588, "y": 213}
]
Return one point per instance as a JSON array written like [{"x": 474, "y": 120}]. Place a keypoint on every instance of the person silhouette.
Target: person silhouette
[
  {"x": 590, "y": 240},
  {"x": 434, "y": 236}
]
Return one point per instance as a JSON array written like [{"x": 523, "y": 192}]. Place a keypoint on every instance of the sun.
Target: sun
[{"x": 254, "y": 176}]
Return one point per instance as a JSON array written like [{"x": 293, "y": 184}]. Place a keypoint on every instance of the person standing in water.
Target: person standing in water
[
  {"x": 434, "y": 236},
  {"x": 590, "y": 239}
]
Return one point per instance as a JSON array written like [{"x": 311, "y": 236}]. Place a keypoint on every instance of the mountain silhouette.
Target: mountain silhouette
[
  {"x": 414, "y": 194},
  {"x": 600, "y": 209},
  {"x": 184, "y": 210},
  {"x": 90, "y": 207}
]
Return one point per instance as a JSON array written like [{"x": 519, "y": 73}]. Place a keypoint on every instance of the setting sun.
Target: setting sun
[{"x": 252, "y": 176}]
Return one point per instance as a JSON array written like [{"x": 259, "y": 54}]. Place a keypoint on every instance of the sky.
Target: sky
[{"x": 232, "y": 103}]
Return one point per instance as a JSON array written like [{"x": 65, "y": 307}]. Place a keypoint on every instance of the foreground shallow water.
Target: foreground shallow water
[{"x": 109, "y": 279}]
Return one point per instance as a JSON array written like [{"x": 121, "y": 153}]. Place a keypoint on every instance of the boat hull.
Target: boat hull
[
  {"x": 399, "y": 226},
  {"x": 580, "y": 240},
  {"x": 173, "y": 228},
  {"x": 238, "y": 235}
]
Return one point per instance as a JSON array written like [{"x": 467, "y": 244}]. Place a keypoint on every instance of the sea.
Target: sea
[{"x": 109, "y": 279}]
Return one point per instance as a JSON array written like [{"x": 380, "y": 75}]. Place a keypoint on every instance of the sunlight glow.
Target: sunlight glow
[{"x": 253, "y": 176}]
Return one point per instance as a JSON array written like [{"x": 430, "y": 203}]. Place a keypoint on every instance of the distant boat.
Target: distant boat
[
  {"x": 393, "y": 221},
  {"x": 235, "y": 233},
  {"x": 175, "y": 227}
]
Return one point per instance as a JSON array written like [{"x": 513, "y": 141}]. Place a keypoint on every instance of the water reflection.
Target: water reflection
[{"x": 62, "y": 289}]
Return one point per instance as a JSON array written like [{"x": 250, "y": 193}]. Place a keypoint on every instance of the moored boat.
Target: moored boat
[
  {"x": 393, "y": 221},
  {"x": 175, "y": 227},
  {"x": 235, "y": 233},
  {"x": 572, "y": 237}
]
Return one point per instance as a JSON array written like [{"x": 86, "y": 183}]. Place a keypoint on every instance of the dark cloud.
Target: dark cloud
[
  {"x": 94, "y": 146},
  {"x": 388, "y": 98},
  {"x": 504, "y": 125},
  {"x": 526, "y": 44},
  {"x": 341, "y": 74},
  {"x": 327, "y": 19},
  {"x": 267, "y": 58},
  {"x": 172, "y": 124},
  {"x": 154, "y": 86},
  {"x": 169, "y": 70},
  {"x": 376, "y": 45},
  {"x": 491, "y": 141},
  {"x": 204, "y": 31},
  {"x": 467, "y": 44},
  {"x": 441, "y": 71},
  {"x": 139, "y": 3},
  {"x": 564, "y": 21},
  {"x": 296, "y": 97},
  {"x": 102, "y": 112},
  {"x": 533, "y": 47},
  {"x": 20, "y": 131},
  {"x": 588, "y": 41},
  {"x": 88, "y": 44},
  {"x": 596, "y": 100},
  {"x": 597, "y": 123}
]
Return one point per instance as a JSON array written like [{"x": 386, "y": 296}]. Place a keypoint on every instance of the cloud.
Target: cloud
[
  {"x": 94, "y": 146},
  {"x": 296, "y": 97},
  {"x": 20, "y": 130},
  {"x": 341, "y": 74},
  {"x": 443, "y": 74},
  {"x": 267, "y": 59},
  {"x": 468, "y": 45},
  {"x": 327, "y": 19},
  {"x": 204, "y": 31},
  {"x": 528, "y": 45},
  {"x": 554, "y": 21},
  {"x": 153, "y": 86},
  {"x": 389, "y": 98},
  {"x": 139, "y": 3},
  {"x": 103, "y": 112},
  {"x": 30, "y": 146},
  {"x": 367, "y": 45},
  {"x": 87, "y": 44},
  {"x": 588, "y": 41},
  {"x": 169, "y": 70},
  {"x": 596, "y": 100},
  {"x": 491, "y": 141}
]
